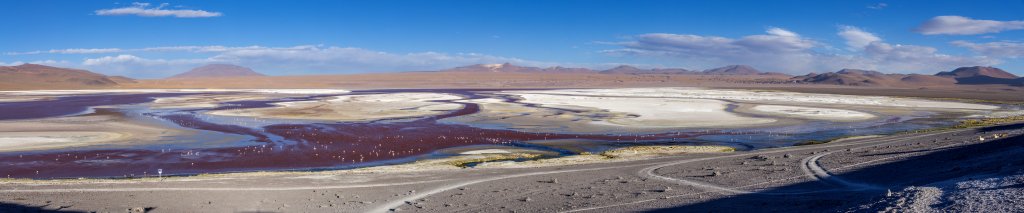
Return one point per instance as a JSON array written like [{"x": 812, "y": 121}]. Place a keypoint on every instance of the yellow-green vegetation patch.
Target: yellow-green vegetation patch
[
  {"x": 813, "y": 142},
  {"x": 964, "y": 124},
  {"x": 467, "y": 161},
  {"x": 664, "y": 150},
  {"x": 989, "y": 121}
]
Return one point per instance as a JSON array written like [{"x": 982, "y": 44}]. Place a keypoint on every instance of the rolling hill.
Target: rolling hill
[
  {"x": 34, "y": 76},
  {"x": 218, "y": 70}
]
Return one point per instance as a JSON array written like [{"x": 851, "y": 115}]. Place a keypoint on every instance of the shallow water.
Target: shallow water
[{"x": 282, "y": 144}]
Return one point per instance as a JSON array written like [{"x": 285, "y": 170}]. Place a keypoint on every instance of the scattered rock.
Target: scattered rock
[{"x": 140, "y": 209}]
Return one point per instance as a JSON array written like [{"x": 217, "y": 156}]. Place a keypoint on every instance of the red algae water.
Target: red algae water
[
  {"x": 289, "y": 144},
  {"x": 300, "y": 146}
]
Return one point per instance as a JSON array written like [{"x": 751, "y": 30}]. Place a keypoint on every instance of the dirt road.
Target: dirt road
[{"x": 826, "y": 177}]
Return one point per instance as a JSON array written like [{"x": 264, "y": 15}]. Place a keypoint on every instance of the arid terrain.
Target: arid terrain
[
  {"x": 520, "y": 140},
  {"x": 512, "y": 106},
  {"x": 891, "y": 173}
]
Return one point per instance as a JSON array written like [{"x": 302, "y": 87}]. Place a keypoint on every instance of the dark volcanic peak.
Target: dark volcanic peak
[
  {"x": 975, "y": 71},
  {"x": 733, "y": 70},
  {"x": 218, "y": 70},
  {"x": 35, "y": 75}
]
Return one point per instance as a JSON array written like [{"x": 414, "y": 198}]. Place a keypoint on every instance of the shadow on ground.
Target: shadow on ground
[
  {"x": 992, "y": 158},
  {"x": 19, "y": 208}
]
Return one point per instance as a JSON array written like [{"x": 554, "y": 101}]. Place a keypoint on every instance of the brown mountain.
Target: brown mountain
[
  {"x": 963, "y": 75},
  {"x": 676, "y": 71},
  {"x": 927, "y": 80},
  {"x": 34, "y": 76},
  {"x": 857, "y": 77},
  {"x": 982, "y": 75},
  {"x": 733, "y": 70},
  {"x": 558, "y": 69},
  {"x": 626, "y": 69},
  {"x": 975, "y": 71},
  {"x": 218, "y": 70},
  {"x": 122, "y": 80},
  {"x": 623, "y": 69},
  {"x": 506, "y": 67}
]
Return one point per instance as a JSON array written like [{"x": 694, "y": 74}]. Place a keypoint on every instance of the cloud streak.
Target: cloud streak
[
  {"x": 69, "y": 51},
  {"x": 785, "y": 51},
  {"x": 878, "y": 6},
  {"x": 959, "y": 25},
  {"x": 302, "y": 59},
  {"x": 1007, "y": 49},
  {"x": 144, "y": 10}
]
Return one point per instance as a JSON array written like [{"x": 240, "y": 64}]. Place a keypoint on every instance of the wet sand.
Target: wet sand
[
  {"x": 271, "y": 144},
  {"x": 737, "y": 181}
]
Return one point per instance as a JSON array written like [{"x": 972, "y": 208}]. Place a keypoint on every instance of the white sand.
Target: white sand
[
  {"x": 813, "y": 112},
  {"x": 18, "y": 141},
  {"x": 299, "y": 91},
  {"x": 771, "y": 97},
  {"x": 94, "y": 91},
  {"x": 651, "y": 109},
  {"x": 200, "y": 101},
  {"x": 355, "y": 107},
  {"x": 651, "y": 112},
  {"x": 62, "y": 132}
]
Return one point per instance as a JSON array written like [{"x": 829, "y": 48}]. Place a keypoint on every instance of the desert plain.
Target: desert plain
[{"x": 528, "y": 143}]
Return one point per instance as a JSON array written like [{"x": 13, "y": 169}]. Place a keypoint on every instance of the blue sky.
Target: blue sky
[{"x": 157, "y": 39}]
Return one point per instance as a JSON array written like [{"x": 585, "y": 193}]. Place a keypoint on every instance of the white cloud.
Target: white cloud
[
  {"x": 16, "y": 63},
  {"x": 785, "y": 51},
  {"x": 1007, "y": 49},
  {"x": 959, "y": 25},
  {"x": 857, "y": 38},
  {"x": 303, "y": 59},
  {"x": 776, "y": 41},
  {"x": 69, "y": 51},
  {"x": 878, "y": 6},
  {"x": 144, "y": 9}
]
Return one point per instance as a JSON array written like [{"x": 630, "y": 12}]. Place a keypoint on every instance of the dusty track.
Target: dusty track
[{"x": 617, "y": 186}]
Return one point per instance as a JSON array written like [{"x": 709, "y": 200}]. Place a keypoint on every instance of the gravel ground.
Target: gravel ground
[{"x": 937, "y": 171}]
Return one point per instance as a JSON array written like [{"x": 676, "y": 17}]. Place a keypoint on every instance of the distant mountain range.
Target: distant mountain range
[
  {"x": 976, "y": 75},
  {"x": 218, "y": 70},
  {"x": 34, "y": 76},
  {"x": 623, "y": 69}
]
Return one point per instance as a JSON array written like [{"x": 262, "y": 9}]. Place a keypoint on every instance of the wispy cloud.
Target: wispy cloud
[
  {"x": 144, "y": 9},
  {"x": 1009, "y": 49},
  {"x": 302, "y": 59},
  {"x": 69, "y": 51},
  {"x": 959, "y": 25},
  {"x": 786, "y": 51},
  {"x": 878, "y": 6},
  {"x": 856, "y": 38}
]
